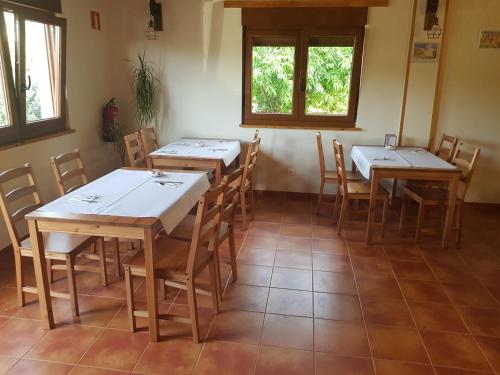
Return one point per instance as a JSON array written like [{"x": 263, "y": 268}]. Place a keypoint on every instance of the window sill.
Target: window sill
[
  {"x": 38, "y": 139},
  {"x": 303, "y": 127}
]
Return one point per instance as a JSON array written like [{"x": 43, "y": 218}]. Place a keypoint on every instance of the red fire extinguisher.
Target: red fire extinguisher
[{"x": 109, "y": 120}]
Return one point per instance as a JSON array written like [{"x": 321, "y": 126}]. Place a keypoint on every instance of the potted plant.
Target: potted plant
[{"x": 145, "y": 85}]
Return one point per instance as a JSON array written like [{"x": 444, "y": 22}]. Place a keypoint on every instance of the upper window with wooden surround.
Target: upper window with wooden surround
[
  {"x": 302, "y": 67},
  {"x": 32, "y": 72}
]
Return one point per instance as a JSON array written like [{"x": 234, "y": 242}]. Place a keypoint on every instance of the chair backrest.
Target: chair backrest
[
  {"x": 69, "y": 172},
  {"x": 338, "y": 151},
  {"x": 250, "y": 160},
  {"x": 465, "y": 161},
  {"x": 149, "y": 140},
  {"x": 18, "y": 199},
  {"x": 135, "y": 152},
  {"x": 256, "y": 135},
  {"x": 321, "y": 155},
  {"x": 206, "y": 225},
  {"x": 230, "y": 198},
  {"x": 447, "y": 147}
]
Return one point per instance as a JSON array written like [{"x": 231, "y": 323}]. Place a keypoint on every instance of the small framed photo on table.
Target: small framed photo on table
[{"x": 390, "y": 141}]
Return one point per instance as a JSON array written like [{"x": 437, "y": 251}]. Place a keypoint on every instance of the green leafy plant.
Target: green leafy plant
[
  {"x": 117, "y": 136},
  {"x": 328, "y": 79},
  {"x": 145, "y": 85}
]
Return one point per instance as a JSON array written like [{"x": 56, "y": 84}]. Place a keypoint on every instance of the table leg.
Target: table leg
[
  {"x": 371, "y": 208},
  {"x": 450, "y": 212},
  {"x": 42, "y": 282},
  {"x": 218, "y": 172},
  {"x": 151, "y": 285},
  {"x": 394, "y": 190},
  {"x": 353, "y": 167}
]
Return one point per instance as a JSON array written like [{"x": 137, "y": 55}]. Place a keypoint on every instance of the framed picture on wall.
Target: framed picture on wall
[
  {"x": 489, "y": 38},
  {"x": 425, "y": 51}
]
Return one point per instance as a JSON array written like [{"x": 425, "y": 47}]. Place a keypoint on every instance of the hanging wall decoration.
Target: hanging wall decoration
[
  {"x": 489, "y": 39},
  {"x": 155, "y": 23},
  {"x": 431, "y": 24}
]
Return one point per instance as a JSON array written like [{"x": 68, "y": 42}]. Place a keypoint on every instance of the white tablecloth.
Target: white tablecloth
[
  {"x": 227, "y": 150},
  {"x": 136, "y": 194},
  {"x": 405, "y": 157}
]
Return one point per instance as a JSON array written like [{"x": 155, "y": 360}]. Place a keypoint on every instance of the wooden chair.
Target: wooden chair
[
  {"x": 22, "y": 198},
  {"x": 447, "y": 147},
  {"x": 135, "y": 152},
  {"x": 179, "y": 263},
  {"x": 327, "y": 176},
  {"x": 229, "y": 202},
  {"x": 70, "y": 178},
  {"x": 246, "y": 190},
  {"x": 149, "y": 140},
  {"x": 354, "y": 190},
  {"x": 427, "y": 196}
]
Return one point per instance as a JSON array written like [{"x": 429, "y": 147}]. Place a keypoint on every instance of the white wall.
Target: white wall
[
  {"x": 88, "y": 89},
  {"x": 200, "y": 59},
  {"x": 470, "y": 101}
]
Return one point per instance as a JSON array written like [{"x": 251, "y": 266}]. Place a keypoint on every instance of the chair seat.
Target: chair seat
[
  {"x": 172, "y": 258},
  {"x": 184, "y": 231},
  {"x": 351, "y": 176},
  {"x": 362, "y": 190},
  {"x": 427, "y": 195},
  {"x": 60, "y": 243}
]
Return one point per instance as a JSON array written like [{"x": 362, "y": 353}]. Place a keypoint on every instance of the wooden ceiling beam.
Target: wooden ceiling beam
[{"x": 303, "y": 3}]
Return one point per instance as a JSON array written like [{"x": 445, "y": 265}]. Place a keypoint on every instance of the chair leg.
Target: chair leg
[
  {"x": 70, "y": 270},
  {"x": 343, "y": 209},
  {"x": 193, "y": 310},
  {"x": 214, "y": 285},
  {"x": 19, "y": 278},
  {"x": 384, "y": 216},
  {"x": 116, "y": 250},
  {"x": 420, "y": 220},
  {"x": 232, "y": 254},
  {"x": 50, "y": 273},
  {"x": 243, "y": 204},
  {"x": 336, "y": 204},
  {"x": 102, "y": 262},
  {"x": 404, "y": 208},
  {"x": 320, "y": 196},
  {"x": 218, "y": 277},
  {"x": 251, "y": 203},
  {"x": 459, "y": 224},
  {"x": 163, "y": 289},
  {"x": 129, "y": 286}
]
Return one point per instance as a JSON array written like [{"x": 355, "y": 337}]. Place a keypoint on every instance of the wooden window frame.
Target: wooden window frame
[
  {"x": 19, "y": 130},
  {"x": 298, "y": 118}
]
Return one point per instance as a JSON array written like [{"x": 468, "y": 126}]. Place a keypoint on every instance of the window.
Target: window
[
  {"x": 32, "y": 73},
  {"x": 301, "y": 75}
]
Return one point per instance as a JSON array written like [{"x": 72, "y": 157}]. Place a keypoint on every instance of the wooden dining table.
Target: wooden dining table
[
  {"x": 197, "y": 153},
  {"x": 376, "y": 163},
  {"x": 126, "y": 203}
]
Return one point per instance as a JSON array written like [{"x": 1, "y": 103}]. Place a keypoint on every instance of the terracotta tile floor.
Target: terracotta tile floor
[{"x": 306, "y": 302}]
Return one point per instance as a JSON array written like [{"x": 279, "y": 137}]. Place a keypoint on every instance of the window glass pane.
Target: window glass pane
[
  {"x": 4, "y": 113},
  {"x": 273, "y": 65},
  {"x": 11, "y": 37},
  {"x": 42, "y": 71},
  {"x": 329, "y": 70}
]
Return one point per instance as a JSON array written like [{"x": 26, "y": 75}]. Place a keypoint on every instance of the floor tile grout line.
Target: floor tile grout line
[
  {"x": 411, "y": 313},
  {"x": 103, "y": 329},
  {"x": 457, "y": 311},
  {"x": 360, "y": 304}
]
